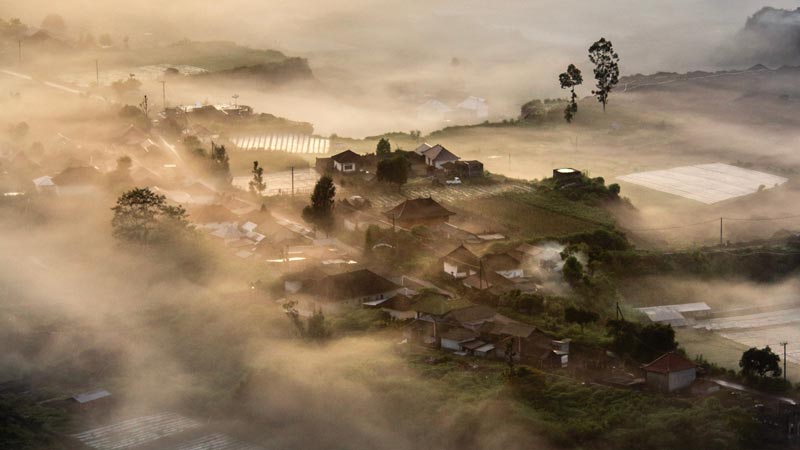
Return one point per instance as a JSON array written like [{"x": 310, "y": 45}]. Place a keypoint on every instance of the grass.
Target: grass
[{"x": 536, "y": 215}]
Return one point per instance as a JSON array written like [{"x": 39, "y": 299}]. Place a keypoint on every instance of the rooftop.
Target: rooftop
[
  {"x": 347, "y": 156},
  {"x": 439, "y": 153},
  {"x": 358, "y": 283},
  {"x": 418, "y": 208},
  {"x": 669, "y": 362}
]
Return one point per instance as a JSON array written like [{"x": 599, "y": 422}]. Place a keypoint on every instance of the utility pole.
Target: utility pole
[
  {"x": 720, "y": 231},
  {"x": 784, "y": 359},
  {"x": 292, "y": 181}
]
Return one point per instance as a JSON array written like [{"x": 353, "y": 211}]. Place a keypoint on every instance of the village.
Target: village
[
  {"x": 392, "y": 237},
  {"x": 192, "y": 264}
]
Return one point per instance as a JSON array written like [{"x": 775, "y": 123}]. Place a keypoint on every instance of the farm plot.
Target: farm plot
[
  {"x": 454, "y": 194},
  {"x": 705, "y": 183},
  {"x": 292, "y": 143},
  {"x": 135, "y": 432}
]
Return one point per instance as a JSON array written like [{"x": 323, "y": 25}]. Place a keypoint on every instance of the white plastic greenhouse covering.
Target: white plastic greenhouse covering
[{"x": 706, "y": 183}]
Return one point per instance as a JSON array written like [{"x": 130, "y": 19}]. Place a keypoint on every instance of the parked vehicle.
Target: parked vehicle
[{"x": 455, "y": 180}]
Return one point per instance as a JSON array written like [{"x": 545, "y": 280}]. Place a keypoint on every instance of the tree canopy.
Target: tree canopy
[
  {"x": 568, "y": 80},
  {"x": 384, "y": 148},
  {"x": 760, "y": 362},
  {"x": 220, "y": 165},
  {"x": 257, "y": 184},
  {"x": 320, "y": 211},
  {"x": 606, "y": 69},
  {"x": 393, "y": 170},
  {"x": 144, "y": 217}
]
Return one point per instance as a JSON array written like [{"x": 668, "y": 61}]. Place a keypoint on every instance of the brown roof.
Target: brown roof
[
  {"x": 470, "y": 314},
  {"x": 459, "y": 335},
  {"x": 418, "y": 208},
  {"x": 438, "y": 152},
  {"x": 462, "y": 255},
  {"x": 347, "y": 156},
  {"x": 669, "y": 362},
  {"x": 500, "y": 261},
  {"x": 358, "y": 283}
]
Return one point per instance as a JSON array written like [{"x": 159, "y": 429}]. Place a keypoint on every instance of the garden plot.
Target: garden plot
[
  {"x": 450, "y": 194},
  {"x": 135, "y": 432},
  {"x": 291, "y": 143},
  {"x": 706, "y": 183}
]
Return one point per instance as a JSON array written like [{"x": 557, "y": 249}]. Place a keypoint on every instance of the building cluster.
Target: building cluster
[{"x": 425, "y": 161}]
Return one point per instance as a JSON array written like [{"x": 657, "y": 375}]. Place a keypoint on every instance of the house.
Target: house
[
  {"x": 475, "y": 107},
  {"x": 460, "y": 263},
  {"x": 503, "y": 264},
  {"x": 347, "y": 162},
  {"x": 400, "y": 307},
  {"x": 453, "y": 338},
  {"x": 437, "y": 156},
  {"x": 558, "y": 355},
  {"x": 470, "y": 317},
  {"x": 45, "y": 184},
  {"x": 422, "y": 148},
  {"x": 463, "y": 169},
  {"x": 670, "y": 372},
  {"x": 419, "y": 211},
  {"x": 91, "y": 399},
  {"x": 501, "y": 333},
  {"x": 356, "y": 288}
]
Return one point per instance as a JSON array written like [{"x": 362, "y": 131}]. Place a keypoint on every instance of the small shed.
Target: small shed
[
  {"x": 455, "y": 337},
  {"x": 670, "y": 372}
]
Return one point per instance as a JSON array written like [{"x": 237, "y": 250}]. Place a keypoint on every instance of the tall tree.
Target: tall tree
[
  {"x": 393, "y": 170},
  {"x": 384, "y": 148},
  {"x": 320, "y": 211},
  {"x": 257, "y": 184},
  {"x": 606, "y": 69},
  {"x": 569, "y": 79},
  {"x": 144, "y": 217},
  {"x": 760, "y": 362},
  {"x": 220, "y": 163}
]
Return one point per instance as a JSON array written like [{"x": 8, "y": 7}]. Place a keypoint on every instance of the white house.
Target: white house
[
  {"x": 347, "y": 161},
  {"x": 670, "y": 372},
  {"x": 45, "y": 184},
  {"x": 476, "y": 107}
]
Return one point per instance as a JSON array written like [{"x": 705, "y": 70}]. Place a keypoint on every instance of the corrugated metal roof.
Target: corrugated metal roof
[{"x": 87, "y": 397}]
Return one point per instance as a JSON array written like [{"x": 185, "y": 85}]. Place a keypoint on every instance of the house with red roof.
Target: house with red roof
[{"x": 670, "y": 372}]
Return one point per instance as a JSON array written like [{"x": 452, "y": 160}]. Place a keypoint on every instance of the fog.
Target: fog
[
  {"x": 182, "y": 329},
  {"x": 397, "y": 54}
]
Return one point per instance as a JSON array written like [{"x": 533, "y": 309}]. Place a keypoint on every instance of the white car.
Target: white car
[{"x": 455, "y": 180}]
